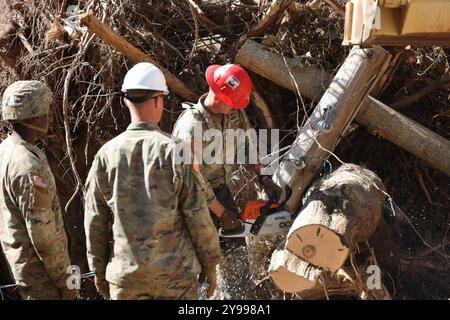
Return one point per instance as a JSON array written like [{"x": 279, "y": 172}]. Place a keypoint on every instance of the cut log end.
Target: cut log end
[
  {"x": 318, "y": 245},
  {"x": 290, "y": 282},
  {"x": 291, "y": 274}
]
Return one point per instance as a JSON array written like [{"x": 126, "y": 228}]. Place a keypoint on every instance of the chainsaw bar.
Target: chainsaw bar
[
  {"x": 278, "y": 222},
  {"x": 243, "y": 234}
]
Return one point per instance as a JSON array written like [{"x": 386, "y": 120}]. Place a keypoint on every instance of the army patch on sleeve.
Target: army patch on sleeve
[{"x": 40, "y": 182}]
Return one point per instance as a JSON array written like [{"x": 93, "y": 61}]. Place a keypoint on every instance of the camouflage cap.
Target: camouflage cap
[{"x": 25, "y": 100}]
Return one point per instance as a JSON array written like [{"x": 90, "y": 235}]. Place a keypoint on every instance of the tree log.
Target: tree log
[
  {"x": 257, "y": 100},
  {"x": 384, "y": 122},
  {"x": 292, "y": 274},
  {"x": 435, "y": 151},
  {"x": 340, "y": 210},
  {"x": 310, "y": 80},
  {"x": 398, "y": 56},
  {"x": 332, "y": 115},
  {"x": 134, "y": 54},
  {"x": 265, "y": 115}
]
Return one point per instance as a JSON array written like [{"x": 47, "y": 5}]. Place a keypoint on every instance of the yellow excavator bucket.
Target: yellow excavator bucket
[{"x": 397, "y": 23}]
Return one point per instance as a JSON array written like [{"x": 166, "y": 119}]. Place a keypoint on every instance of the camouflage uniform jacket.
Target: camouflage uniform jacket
[
  {"x": 161, "y": 228},
  {"x": 31, "y": 226},
  {"x": 217, "y": 175}
]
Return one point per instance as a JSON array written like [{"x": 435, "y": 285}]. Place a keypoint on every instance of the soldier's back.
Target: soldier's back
[{"x": 137, "y": 174}]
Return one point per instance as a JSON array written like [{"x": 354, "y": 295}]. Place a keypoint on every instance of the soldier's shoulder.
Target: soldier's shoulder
[
  {"x": 184, "y": 127},
  {"x": 189, "y": 114},
  {"x": 167, "y": 141},
  {"x": 188, "y": 105},
  {"x": 24, "y": 159},
  {"x": 168, "y": 147}
]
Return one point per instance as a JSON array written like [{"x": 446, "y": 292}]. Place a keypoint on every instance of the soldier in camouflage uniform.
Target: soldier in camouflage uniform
[
  {"x": 162, "y": 234},
  {"x": 230, "y": 88},
  {"x": 32, "y": 231}
]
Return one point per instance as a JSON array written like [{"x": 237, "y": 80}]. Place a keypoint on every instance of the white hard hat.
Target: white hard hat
[{"x": 145, "y": 76}]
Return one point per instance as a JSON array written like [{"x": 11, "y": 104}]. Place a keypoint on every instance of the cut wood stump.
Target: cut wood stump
[
  {"x": 304, "y": 281},
  {"x": 292, "y": 274},
  {"x": 339, "y": 211}
]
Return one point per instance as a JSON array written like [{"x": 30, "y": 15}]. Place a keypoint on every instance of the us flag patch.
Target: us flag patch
[{"x": 40, "y": 182}]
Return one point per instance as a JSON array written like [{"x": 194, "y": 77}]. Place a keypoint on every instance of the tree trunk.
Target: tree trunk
[
  {"x": 292, "y": 274},
  {"x": 384, "y": 122},
  {"x": 434, "y": 150},
  {"x": 264, "y": 115},
  {"x": 340, "y": 210},
  {"x": 332, "y": 115},
  {"x": 311, "y": 81}
]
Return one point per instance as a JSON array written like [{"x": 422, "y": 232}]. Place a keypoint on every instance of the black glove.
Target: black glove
[{"x": 229, "y": 223}]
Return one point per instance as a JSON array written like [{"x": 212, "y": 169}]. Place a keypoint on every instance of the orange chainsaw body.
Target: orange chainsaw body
[{"x": 252, "y": 209}]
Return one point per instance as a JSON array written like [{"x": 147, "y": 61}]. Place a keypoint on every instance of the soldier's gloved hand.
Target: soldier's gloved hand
[
  {"x": 209, "y": 275},
  {"x": 229, "y": 223},
  {"x": 67, "y": 294},
  {"x": 102, "y": 286},
  {"x": 271, "y": 188}
]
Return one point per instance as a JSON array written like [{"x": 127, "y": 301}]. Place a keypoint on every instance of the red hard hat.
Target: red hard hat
[{"x": 231, "y": 83}]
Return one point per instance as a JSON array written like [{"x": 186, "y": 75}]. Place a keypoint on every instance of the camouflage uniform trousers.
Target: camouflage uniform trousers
[{"x": 183, "y": 289}]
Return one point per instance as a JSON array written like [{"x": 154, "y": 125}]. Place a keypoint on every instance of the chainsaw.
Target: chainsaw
[{"x": 263, "y": 217}]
